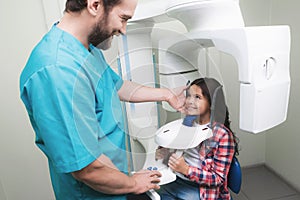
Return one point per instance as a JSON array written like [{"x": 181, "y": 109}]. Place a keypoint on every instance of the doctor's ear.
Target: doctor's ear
[{"x": 94, "y": 7}]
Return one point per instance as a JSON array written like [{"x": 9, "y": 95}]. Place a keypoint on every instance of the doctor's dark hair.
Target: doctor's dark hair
[
  {"x": 213, "y": 92},
  {"x": 79, "y": 5}
]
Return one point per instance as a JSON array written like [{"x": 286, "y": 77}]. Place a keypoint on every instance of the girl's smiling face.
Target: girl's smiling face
[{"x": 197, "y": 104}]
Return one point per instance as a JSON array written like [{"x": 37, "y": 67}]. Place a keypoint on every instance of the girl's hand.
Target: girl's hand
[{"x": 178, "y": 164}]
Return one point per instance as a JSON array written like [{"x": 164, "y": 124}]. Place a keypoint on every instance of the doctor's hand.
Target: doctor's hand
[
  {"x": 176, "y": 98},
  {"x": 146, "y": 180},
  {"x": 178, "y": 164}
]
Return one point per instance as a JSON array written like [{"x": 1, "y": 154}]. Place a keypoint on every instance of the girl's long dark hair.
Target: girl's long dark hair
[{"x": 213, "y": 92}]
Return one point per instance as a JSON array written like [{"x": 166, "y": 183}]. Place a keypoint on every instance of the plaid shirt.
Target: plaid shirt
[{"x": 215, "y": 154}]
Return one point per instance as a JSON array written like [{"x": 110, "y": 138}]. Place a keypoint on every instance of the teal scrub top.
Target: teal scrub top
[{"x": 71, "y": 98}]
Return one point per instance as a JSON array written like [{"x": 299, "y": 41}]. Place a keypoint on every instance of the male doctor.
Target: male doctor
[{"x": 73, "y": 99}]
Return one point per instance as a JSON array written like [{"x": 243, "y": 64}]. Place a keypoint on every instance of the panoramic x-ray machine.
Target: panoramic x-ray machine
[{"x": 261, "y": 53}]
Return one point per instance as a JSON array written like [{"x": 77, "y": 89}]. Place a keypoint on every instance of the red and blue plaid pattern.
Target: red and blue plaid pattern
[{"x": 216, "y": 154}]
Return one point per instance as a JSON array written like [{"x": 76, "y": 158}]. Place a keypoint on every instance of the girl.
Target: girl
[{"x": 202, "y": 171}]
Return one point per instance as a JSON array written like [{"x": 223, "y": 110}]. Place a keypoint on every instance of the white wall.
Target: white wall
[{"x": 23, "y": 170}]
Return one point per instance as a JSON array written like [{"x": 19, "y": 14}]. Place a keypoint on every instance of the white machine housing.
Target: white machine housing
[{"x": 262, "y": 53}]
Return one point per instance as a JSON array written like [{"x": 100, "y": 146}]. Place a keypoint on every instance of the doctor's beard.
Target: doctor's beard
[{"x": 100, "y": 37}]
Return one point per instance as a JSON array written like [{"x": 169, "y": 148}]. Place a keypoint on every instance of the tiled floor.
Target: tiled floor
[{"x": 259, "y": 183}]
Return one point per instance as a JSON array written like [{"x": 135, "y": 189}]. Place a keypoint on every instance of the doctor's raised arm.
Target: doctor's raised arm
[{"x": 133, "y": 92}]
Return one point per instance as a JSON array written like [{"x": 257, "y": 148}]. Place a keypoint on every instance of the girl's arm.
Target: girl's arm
[{"x": 213, "y": 171}]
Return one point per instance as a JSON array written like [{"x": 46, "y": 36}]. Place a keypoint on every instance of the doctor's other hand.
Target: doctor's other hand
[
  {"x": 176, "y": 98},
  {"x": 146, "y": 180}
]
